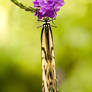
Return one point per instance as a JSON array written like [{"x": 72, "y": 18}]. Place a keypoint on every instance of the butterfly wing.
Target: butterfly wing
[{"x": 48, "y": 60}]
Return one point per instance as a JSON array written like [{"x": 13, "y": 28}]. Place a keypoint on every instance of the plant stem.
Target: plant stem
[{"x": 19, "y": 4}]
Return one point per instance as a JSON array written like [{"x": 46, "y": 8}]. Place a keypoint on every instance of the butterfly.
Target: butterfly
[{"x": 49, "y": 83}]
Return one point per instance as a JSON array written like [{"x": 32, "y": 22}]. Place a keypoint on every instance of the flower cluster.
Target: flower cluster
[{"x": 48, "y": 8}]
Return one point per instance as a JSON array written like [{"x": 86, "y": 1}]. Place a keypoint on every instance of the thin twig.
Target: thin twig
[{"x": 19, "y": 4}]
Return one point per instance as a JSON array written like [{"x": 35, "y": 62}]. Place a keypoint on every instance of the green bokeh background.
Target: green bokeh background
[{"x": 20, "y": 47}]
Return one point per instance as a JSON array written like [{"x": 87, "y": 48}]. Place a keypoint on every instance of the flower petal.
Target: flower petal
[{"x": 48, "y": 8}]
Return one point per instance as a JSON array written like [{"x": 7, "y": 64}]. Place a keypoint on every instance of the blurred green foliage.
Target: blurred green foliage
[{"x": 20, "y": 53}]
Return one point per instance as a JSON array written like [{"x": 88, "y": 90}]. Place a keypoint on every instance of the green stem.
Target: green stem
[{"x": 31, "y": 9}]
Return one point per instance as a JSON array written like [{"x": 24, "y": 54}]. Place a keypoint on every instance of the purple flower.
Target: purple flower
[{"x": 47, "y": 8}]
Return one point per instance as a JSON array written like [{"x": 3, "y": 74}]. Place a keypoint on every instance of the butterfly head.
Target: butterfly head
[{"x": 46, "y": 19}]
